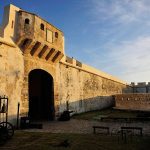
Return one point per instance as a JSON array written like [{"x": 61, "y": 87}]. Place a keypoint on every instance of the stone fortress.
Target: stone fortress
[{"x": 36, "y": 73}]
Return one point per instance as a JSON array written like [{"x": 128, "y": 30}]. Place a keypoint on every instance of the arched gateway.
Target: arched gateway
[{"x": 41, "y": 95}]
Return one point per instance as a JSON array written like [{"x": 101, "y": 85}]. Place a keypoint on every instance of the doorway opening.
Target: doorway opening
[{"x": 41, "y": 95}]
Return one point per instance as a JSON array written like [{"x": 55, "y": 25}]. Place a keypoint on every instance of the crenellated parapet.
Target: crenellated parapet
[
  {"x": 141, "y": 87},
  {"x": 72, "y": 61}
]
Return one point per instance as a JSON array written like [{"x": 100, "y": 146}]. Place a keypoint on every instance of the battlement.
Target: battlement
[
  {"x": 140, "y": 87},
  {"x": 37, "y": 37},
  {"x": 140, "y": 84},
  {"x": 73, "y": 62},
  {"x": 32, "y": 34}
]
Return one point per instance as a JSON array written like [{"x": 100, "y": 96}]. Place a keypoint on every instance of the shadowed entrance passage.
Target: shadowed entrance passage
[{"x": 41, "y": 95}]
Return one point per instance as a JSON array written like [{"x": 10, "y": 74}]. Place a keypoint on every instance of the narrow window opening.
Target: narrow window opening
[
  {"x": 56, "y": 34},
  {"x": 42, "y": 26},
  {"x": 27, "y": 21}
]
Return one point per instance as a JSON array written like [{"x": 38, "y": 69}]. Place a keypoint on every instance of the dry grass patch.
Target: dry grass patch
[{"x": 48, "y": 141}]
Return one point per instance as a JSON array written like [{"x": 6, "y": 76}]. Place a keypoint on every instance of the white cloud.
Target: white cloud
[
  {"x": 121, "y": 11},
  {"x": 127, "y": 39},
  {"x": 129, "y": 60},
  {"x": 133, "y": 59}
]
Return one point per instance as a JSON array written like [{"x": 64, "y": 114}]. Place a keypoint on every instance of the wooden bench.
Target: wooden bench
[
  {"x": 102, "y": 129},
  {"x": 140, "y": 129},
  {"x": 126, "y": 119},
  {"x": 114, "y": 118}
]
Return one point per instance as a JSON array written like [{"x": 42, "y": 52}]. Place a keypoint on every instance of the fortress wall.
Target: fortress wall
[
  {"x": 133, "y": 101},
  {"x": 84, "y": 88},
  {"x": 11, "y": 77},
  {"x": 76, "y": 86},
  {"x": 141, "y": 87}
]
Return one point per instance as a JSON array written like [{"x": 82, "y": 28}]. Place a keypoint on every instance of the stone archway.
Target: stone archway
[{"x": 41, "y": 95}]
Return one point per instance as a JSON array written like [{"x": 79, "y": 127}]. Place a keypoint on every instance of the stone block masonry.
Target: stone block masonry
[
  {"x": 84, "y": 88},
  {"x": 133, "y": 101}
]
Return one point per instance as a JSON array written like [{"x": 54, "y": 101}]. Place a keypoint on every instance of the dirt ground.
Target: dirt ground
[{"x": 85, "y": 126}]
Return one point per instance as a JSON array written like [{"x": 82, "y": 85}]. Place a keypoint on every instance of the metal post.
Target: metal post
[
  {"x": 18, "y": 115},
  {"x": 6, "y": 109}
]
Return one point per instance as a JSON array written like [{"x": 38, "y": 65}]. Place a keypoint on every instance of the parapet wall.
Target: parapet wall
[
  {"x": 83, "y": 88},
  {"x": 133, "y": 101},
  {"x": 141, "y": 87},
  {"x": 79, "y": 65}
]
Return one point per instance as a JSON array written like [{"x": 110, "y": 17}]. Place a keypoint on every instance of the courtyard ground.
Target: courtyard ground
[
  {"x": 55, "y": 141},
  {"x": 77, "y": 134}
]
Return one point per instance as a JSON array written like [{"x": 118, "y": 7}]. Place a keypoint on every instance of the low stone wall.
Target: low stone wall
[{"x": 133, "y": 101}]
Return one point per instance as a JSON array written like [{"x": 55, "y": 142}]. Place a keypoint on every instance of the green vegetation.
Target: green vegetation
[
  {"x": 87, "y": 116},
  {"x": 48, "y": 141},
  {"x": 106, "y": 112}
]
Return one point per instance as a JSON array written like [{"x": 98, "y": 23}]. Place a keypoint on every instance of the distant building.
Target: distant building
[{"x": 141, "y": 87}]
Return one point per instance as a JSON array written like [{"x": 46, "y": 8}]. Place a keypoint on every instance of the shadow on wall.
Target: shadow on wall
[
  {"x": 78, "y": 106},
  {"x": 90, "y": 104},
  {"x": 11, "y": 118}
]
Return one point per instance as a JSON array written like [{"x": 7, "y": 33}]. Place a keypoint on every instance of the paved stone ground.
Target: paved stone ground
[{"x": 85, "y": 126}]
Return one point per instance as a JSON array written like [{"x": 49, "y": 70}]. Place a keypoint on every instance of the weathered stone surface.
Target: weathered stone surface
[
  {"x": 11, "y": 77},
  {"x": 85, "y": 91},
  {"x": 133, "y": 101},
  {"x": 76, "y": 86}
]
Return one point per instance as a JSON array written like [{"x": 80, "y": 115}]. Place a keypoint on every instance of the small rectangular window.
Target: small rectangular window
[
  {"x": 42, "y": 26},
  {"x": 49, "y": 36},
  {"x": 56, "y": 34}
]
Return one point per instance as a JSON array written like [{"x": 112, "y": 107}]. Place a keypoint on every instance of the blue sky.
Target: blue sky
[{"x": 110, "y": 35}]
